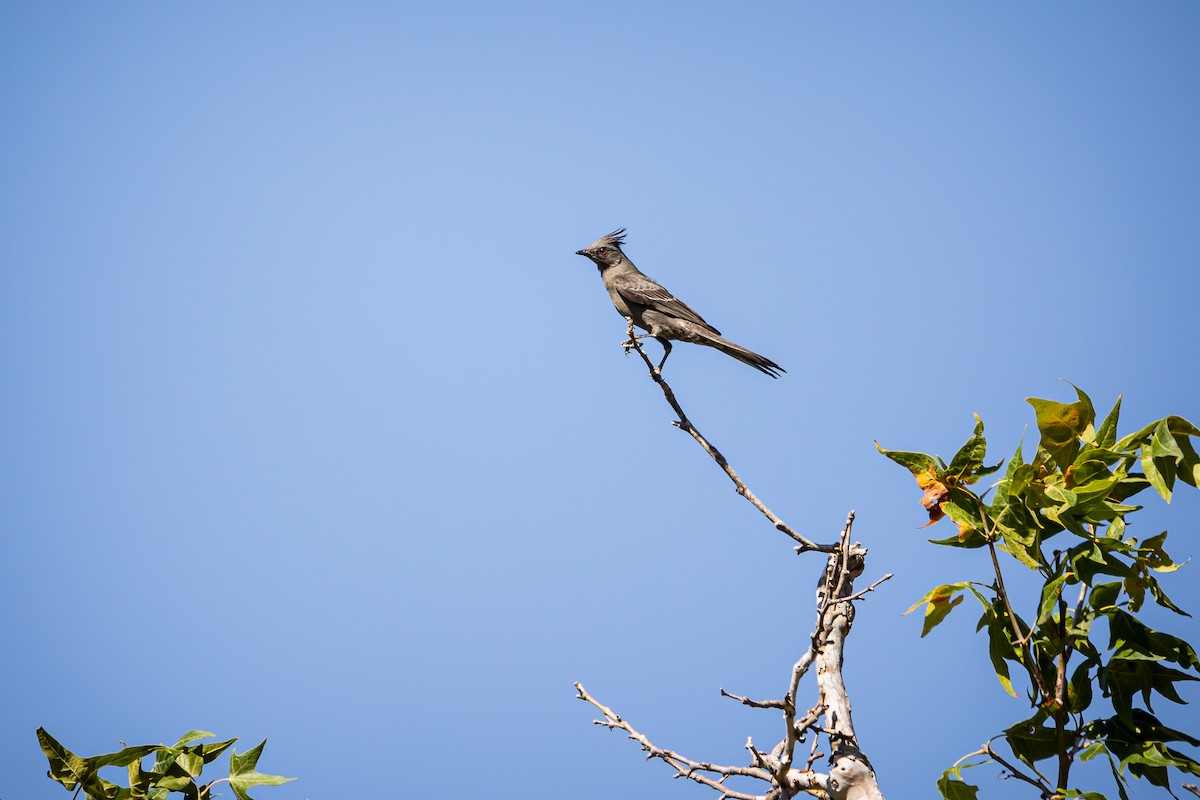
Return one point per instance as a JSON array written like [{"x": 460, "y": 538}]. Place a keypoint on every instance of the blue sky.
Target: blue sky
[{"x": 316, "y": 429}]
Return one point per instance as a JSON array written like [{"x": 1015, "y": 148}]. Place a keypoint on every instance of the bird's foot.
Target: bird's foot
[{"x": 631, "y": 342}]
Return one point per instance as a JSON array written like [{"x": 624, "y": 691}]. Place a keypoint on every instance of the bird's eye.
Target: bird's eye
[{"x": 602, "y": 250}]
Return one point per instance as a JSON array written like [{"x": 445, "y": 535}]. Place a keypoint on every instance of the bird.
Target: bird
[{"x": 655, "y": 310}]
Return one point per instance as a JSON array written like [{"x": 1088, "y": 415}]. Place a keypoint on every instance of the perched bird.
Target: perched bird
[{"x": 655, "y": 310}]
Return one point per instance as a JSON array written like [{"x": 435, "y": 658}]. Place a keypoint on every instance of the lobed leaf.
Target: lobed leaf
[
  {"x": 1031, "y": 741},
  {"x": 1062, "y": 425},
  {"x": 917, "y": 463},
  {"x": 951, "y": 788},
  {"x": 243, "y": 775},
  {"x": 1140, "y": 742},
  {"x": 938, "y": 602}
]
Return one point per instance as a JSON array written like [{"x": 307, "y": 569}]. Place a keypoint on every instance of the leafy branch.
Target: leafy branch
[
  {"x": 1077, "y": 484},
  {"x": 176, "y": 768}
]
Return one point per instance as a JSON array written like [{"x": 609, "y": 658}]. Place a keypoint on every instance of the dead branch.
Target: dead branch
[
  {"x": 850, "y": 775},
  {"x": 683, "y": 423},
  {"x": 699, "y": 771},
  {"x": 746, "y": 701}
]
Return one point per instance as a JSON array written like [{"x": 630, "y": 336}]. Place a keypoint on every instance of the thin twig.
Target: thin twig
[
  {"x": 1042, "y": 785},
  {"x": 1021, "y": 640},
  {"x": 683, "y": 423},
  {"x": 746, "y": 701},
  {"x": 871, "y": 588},
  {"x": 684, "y": 767}
]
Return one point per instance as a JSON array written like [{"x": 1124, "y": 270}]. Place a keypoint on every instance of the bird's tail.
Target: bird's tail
[{"x": 760, "y": 363}]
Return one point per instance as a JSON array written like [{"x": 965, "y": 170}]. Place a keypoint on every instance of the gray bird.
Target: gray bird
[{"x": 652, "y": 308}]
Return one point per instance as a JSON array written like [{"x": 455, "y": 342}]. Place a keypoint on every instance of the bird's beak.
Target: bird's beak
[{"x": 580, "y": 253}]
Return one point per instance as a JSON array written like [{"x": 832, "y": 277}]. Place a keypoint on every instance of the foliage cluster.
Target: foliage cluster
[
  {"x": 175, "y": 769},
  {"x": 1063, "y": 515}
]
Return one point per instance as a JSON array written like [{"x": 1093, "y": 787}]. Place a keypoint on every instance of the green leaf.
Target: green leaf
[
  {"x": 1106, "y": 436},
  {"x": 1181, "y": 427},
  {"x": 1140, "y": 742},
  {"x": 1061, "y": 425},
  {"x": 192, "y": 736},
  {"x": 953, "y": 789},
  {"x": 243, "y": 775},
  {"x": 1160, "y": 596},
  {"x": 1022, "y": 543},
  {"x": 1094, "y": 557},
  {"x": 1127, "y": 487},
  {"x": 1005, "y": 485},
  {"x": 1116, "y": 529},
  {"x": 1130, "y": 638},
  {"x": 938, "y": 602},
  {"x": 1031, "y": 741},
  {"x": 65, "y": 767},
  {"x": 1079, "y": 690},
  {"x": 176, "y": 784},
  {"x": 1156, "y": 556},
  {"x": 1063, "y": 496},
  {"x": 1160, "y": 481},
  {"x": 1001, "y": 648},
  {"x": 209, "y": 752},
  {"x": 191, "y": 763},
  {"x": 1104, "y": 597},
  {"x": 72, "y": 771},
  {"x": 1118, "y": 777},
  {"x": 1123, "y": 678},
  {"x": 1163, "y": 444},
  {"x": 1177, "y": 426},
  {"x": 963, "y": 509},
  {"x": 967, "y": 465},
  {"x": 1051, "y": 592},
  {"x": 916, "y": 463},
  {"x": 1095, "y": 489},
  {"x": 970, "y": 540},
  {"x": 1189, "y": 465},
  {"x": 1134, "y": 440}
]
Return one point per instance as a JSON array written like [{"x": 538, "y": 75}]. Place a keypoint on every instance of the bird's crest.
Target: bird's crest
[{"x": 616, "y": 238}]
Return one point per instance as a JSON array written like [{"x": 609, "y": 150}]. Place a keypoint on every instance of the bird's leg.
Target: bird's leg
[
  {"x": 631, "y": 342},
  {"x": 666, "y": 352}
]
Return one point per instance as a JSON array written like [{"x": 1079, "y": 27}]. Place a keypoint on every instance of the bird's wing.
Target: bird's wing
[{"x": 640, "y": 290}]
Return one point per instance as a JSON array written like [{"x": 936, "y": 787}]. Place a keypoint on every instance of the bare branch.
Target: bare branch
[
  {"x": 871, "y": 588},
  {"x": 684, "y": 767},
  {"x": 746, "y": 701},
  {"x": 851, "y": 770},
  {"x": 851, "y": 776},
  {"x": 683, "y": 423}
]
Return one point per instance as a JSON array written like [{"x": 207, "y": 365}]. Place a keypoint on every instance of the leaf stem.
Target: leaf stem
[{"x": 1021, "y": 640}]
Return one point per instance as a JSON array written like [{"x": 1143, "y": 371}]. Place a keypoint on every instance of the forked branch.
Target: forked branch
[{"x": 850, "y": 776}]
